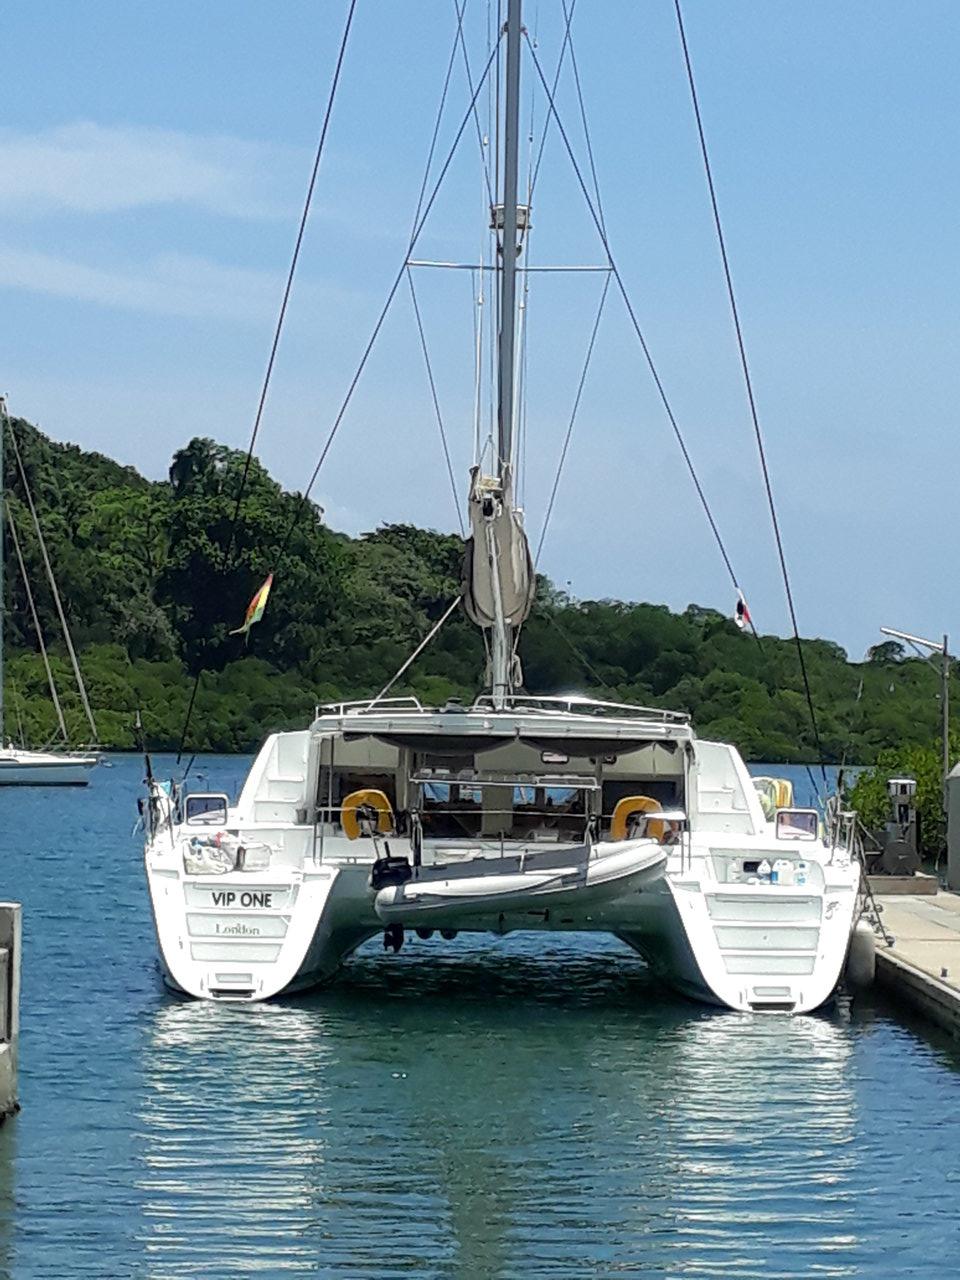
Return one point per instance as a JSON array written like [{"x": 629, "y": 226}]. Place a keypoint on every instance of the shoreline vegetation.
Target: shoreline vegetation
[{"x": 153, "y": 581}]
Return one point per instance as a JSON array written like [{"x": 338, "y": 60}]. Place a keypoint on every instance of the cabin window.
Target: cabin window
[
  {"x": 205, "y": 809},
  {"x": 797, "y": 824},
  {"x": 451, "y": 810},
  {"x": 492, "y": 808},
  {"x": 557, "y": 813}
]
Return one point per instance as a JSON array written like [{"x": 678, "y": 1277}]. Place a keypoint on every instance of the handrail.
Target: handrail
[
  {"x": 365, "y": 704},
  {"x": 573, "y": 705},
  {"x": 552, "y": 781}
]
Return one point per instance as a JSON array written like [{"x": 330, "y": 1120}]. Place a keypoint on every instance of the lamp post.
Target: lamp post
[{"x": 919, "y": 644}]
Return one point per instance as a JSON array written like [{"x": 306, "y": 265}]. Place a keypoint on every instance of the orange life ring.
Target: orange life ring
[
  {"x": 367, "y": 796},
  {"x": 625, "y": 810}
]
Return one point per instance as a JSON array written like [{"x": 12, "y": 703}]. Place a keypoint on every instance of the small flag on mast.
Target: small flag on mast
[
  {"x": 255, "y": 608},
  {"x": 742, "y": 616}
]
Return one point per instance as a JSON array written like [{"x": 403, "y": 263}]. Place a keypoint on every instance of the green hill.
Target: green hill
[{"x": 140, "y": 566}]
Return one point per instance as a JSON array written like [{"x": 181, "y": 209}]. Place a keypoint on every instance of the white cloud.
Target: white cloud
[
  {"x": 169, "y": 284},
  {"x": 92, "y": 168}
]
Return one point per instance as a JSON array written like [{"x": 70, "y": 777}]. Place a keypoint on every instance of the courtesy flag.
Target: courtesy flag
[
  {"x": 742, "y": 616},
  {"x": 255, "y": 608}
]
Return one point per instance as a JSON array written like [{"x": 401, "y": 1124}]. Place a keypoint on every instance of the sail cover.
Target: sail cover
[{"x": 497, "y": 556}]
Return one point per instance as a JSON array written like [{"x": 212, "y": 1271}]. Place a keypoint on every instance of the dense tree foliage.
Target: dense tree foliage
[
  {"x": 924, "y": 763},
  {"x": 154, "y": 576}
]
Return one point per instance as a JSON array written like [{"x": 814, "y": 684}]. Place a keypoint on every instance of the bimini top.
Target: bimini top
[{"x": 576, "y": 725}]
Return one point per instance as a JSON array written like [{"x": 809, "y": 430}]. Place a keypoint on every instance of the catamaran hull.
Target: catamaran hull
[
  {"x": 753, "y": 948},
  {"x": 757, "y": 948},
  {"x": 235, "y": 938}
]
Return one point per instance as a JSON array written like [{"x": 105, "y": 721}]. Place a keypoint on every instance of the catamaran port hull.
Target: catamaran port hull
[{"x": 236, "y": 938}]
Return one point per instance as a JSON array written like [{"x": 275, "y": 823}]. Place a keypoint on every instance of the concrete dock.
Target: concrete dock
[{"x": 922, "y": 968}]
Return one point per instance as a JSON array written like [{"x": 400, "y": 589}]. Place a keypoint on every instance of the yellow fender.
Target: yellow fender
[
  {"x": 777, "y": 791},
  {"x": 784, "y": 793},
  {"x": 376, "y": 800},
  {"x": 625, "y": 810}
]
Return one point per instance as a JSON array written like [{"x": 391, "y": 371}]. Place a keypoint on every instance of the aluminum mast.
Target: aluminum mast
[{"x": 499, "y": 580}]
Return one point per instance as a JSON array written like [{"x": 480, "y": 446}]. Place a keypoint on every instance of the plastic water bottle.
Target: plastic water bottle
[
  {"x": 763, "y": 872},
  {"x": 783, "y": 871},
  {"x": 801, "y": 873}
]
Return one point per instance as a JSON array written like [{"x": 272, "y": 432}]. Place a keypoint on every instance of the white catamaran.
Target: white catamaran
[
  {"x": 515, "y": 813},
  {"x": 19, "y": 766}
]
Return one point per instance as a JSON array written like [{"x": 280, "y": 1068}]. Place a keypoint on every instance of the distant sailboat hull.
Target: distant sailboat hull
[{"x": 44, "y": 768}]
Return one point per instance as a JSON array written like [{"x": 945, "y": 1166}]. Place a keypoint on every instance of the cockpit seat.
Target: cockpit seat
[
  {"x": 628, "y": 808},
  {"x": 371, "y": 799}
]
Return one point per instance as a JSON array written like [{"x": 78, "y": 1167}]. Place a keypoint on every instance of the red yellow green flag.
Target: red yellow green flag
[{"x": 255, "y": 608}]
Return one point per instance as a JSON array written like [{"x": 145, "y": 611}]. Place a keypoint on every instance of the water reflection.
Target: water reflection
[
  {"x": 230, "y": 1141},
  {"x": 494, "y": 1111}
]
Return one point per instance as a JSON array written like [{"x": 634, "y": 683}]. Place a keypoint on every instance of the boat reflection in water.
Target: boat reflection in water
[
  {"x": 231, "y": 1129},
  {"x": 469, "y": 1112}
]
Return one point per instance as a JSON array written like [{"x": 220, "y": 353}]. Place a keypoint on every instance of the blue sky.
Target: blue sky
[{"x": 154, "y": 156}]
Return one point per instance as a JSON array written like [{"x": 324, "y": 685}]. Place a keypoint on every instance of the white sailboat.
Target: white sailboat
[
  {"x": 517, "y": 812},
  {"x": 19, "y": 766}
]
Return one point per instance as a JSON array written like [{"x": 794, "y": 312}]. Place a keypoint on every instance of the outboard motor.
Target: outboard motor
[
  {"x": 390, "y": 869},
  {"x": 387, "y": 868}
]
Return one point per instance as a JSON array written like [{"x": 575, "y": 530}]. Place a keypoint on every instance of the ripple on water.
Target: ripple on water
[
  {"x": 501, "y": 1111},
  {"x": 515, "y": 1108}
]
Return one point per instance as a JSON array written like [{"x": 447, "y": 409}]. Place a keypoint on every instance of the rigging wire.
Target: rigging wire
[
  {"x": 345, "y": 404},
  {"x": 303, "y": 498},
  {"x": 436, "y": 402},
  {"x": 748, "y": 383},
  {"x": 416, "y": 653},
  {"x": 58, "y": 603},
  {"x": 563, "y": 456},
  {"x": 482, "y": 142},
  {"x": 573, "y": 417},
  {"x": 431, "y": 150},
  {"x": 14, "y": 537},
  {"x": 476, "y": 299},
  {"x": 583, "y": 116},
  {"x": 648, "y": 357},
  {"x": 577, "y": 652},
  {"x": 556, "y": 80},
  {"x": 227, "y": 558},
  {"x": 278, "y": 329}
]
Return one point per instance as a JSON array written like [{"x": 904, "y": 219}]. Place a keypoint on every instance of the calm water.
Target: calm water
[{"x": 515, "y": 1108}]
